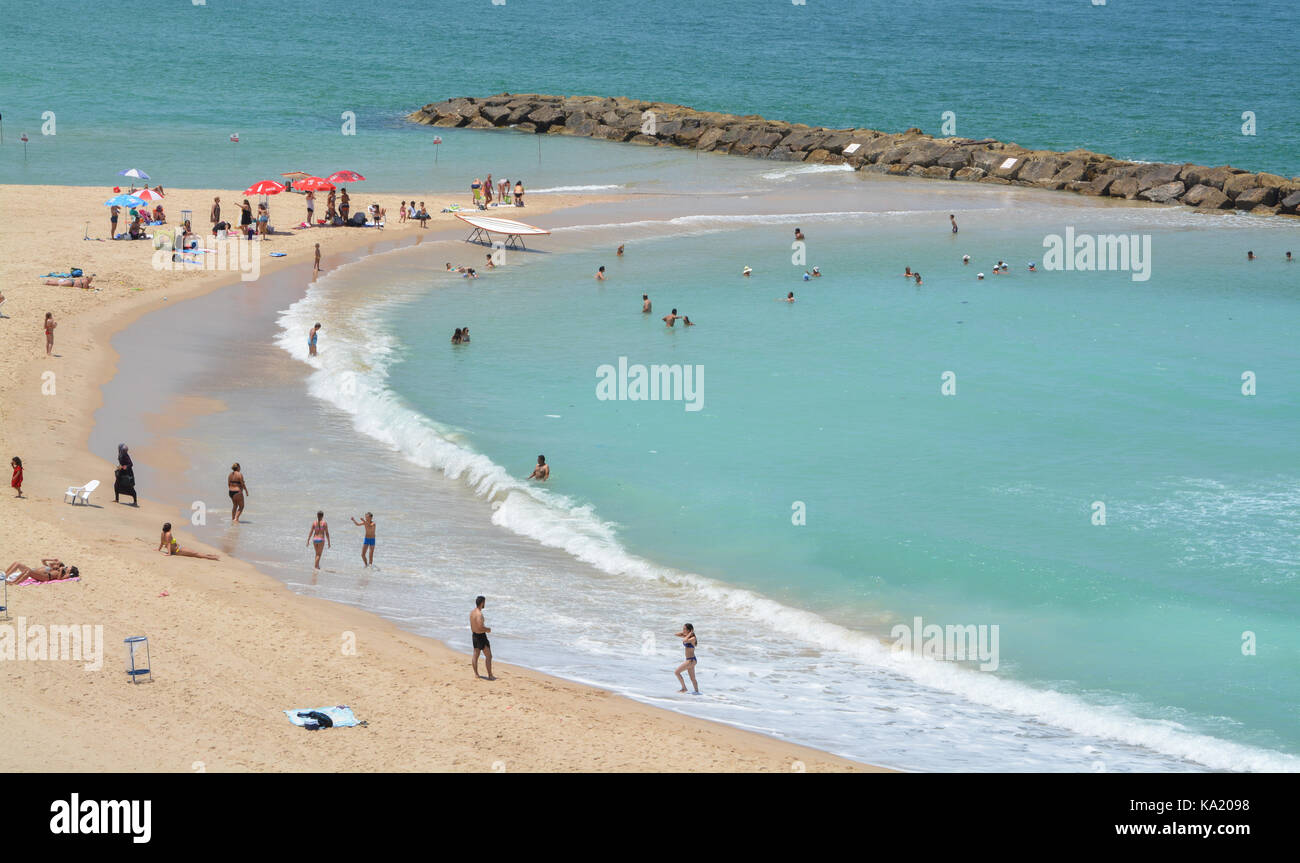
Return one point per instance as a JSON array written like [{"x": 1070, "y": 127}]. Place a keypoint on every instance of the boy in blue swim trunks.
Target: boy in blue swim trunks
[{"x": 367, "y": 544}]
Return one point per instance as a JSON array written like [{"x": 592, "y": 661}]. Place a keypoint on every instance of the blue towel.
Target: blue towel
[{"x": 341, "y": 715}]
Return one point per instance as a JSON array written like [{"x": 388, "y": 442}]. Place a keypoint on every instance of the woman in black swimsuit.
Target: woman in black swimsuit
[
  {"x": 690, "y": 642},
  {"x": 245, "y": 216}
]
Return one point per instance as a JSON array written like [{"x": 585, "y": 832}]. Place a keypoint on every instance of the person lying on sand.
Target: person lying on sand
[
  {"x": 51, "y": 569},
  {"x": 170, "y": 547}
]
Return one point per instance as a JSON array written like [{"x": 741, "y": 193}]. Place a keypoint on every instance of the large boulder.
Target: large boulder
[
  {"x": 938, "y": 172},
  {"x": 1207, "y": 197},
  {"x": 1040, "y": 169},
  {"x": 1124, "y": 187},
  {"x": 495, "y": 113},
  {"x": 969, "y": 174},
  {"x": 1100, "y": 186},
  {"x": 1157, "y": 175},
  {"x": 546, "y": 116},
  {"x": 1255, "y": 197},
  {"x": 1166, "y": 193},
  {"x": 955, "y": 157},
  {"x": 1272, "y": 181},
  {"x": 1072, "y": 172},
  {"x": 1291, "y": 203},
  {"x": 1238, "y": 183},
  {"x": 1216, "y": 177},
  {"x": 710, "y": 139}
]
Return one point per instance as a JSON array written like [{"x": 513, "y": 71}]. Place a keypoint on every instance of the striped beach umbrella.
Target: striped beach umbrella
[
  {"x": 149, "y": 195},
  {"x": 134, "y": 172}
]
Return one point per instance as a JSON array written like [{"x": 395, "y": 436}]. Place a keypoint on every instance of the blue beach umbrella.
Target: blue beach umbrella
[
  {"x": 124, "y": 201},
  {"x": 134, "y": 172}
]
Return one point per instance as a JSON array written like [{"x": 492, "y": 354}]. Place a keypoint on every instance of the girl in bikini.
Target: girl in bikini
[
  {"x": 690, "y": 642},
  {"x": 319, "y": 536},
  {"x": 49, "y": 332},
  {"x": 170, "y": 547}
]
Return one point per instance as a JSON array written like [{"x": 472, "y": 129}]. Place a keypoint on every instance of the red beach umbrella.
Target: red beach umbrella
[
  {"x": 314, "y": 184},
  {"x": 345, "y": 177},
  {"x": 264, "y": 187}
]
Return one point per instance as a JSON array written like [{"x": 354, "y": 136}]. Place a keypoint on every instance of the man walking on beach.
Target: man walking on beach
[
  {"x": 480, "y": 636},
  {"x": 215, "y": 215}
]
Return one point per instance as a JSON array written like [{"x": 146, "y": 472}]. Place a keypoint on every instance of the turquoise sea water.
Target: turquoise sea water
[
  {"x": 163, "y": 87},
  {"x": 1120, "y": 643}
]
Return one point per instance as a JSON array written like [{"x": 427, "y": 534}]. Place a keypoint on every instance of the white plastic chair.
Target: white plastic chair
[{"x": 80, "y": 493}]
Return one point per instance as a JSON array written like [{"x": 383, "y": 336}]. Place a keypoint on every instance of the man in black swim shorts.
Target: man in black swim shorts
[{"x": 479, "y": 632}]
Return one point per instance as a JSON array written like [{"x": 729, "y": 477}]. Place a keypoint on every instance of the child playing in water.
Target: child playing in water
[{"x": 368, "y": 522}]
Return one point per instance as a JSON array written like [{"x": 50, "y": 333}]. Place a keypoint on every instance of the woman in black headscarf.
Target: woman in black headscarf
[{"x": 124, "y": 480}]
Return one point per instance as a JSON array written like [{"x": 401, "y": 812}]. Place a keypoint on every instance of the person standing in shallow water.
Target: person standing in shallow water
[
  {"x": 368, "y": 543},
  {"x": 690, "y": 642},
  {"x": 311, "y": 340},
  {"x": 237, "y": 488},
  {"x": 542, "y": 471},
  {"x": 319, "y": 536},
  {"x": 952, "y": 217}
]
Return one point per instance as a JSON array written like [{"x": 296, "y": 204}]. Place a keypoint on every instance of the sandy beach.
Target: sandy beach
[{"x": 232, "y": 648}]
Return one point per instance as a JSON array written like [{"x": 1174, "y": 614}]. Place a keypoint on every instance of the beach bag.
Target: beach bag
[{"x": 76, "y": 272}]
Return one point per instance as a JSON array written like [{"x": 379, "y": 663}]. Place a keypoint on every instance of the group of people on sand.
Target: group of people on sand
[
  {"x": 251, "y": 223},
  {"x": 479, "y": 631},
  {"x": 318, "y": 537},
  {"x": 413, "y": 214},
  {"x": 482, "y": 191}
]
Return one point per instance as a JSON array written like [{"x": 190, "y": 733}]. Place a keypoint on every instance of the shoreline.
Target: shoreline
[{"x": 249, "y": 676}]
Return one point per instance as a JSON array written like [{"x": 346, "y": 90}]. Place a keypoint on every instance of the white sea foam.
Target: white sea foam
[
  {"x": 597, "y": 188},
  {"x": 806, "y": 169},
  {"x": 351, "y": 373}
]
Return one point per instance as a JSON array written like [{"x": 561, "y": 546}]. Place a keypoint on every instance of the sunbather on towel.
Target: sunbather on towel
[{"x": 51, "y": 569}]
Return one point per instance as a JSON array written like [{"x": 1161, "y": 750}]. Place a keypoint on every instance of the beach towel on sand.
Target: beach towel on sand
[{"x": 341, "y": 715}]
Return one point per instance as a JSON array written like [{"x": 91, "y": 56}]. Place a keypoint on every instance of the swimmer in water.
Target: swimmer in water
[
  {"x": 965, "y": 259},
  {"x": 1032, "y": 267},
  {"x": 816, "y": 273},
  {"x": 918, "y": 278},
  {"x": 907, "y": 272},
  {"x": 788, "y": 298},
  {"x": 798, "y": 234},
  {"x": 671, "y": 318},
  {"x": 620, "y": 250},
  {"x": 542, "y": 471},
  {"x": 645, "y": 304},
  {"x": 745, "y": 272},
  {"x": 600, "y": 274},
  {"x": 1250, "y": 256},
  {"x": 980, "y": 277},
  {"x": 686, "y": 321}
]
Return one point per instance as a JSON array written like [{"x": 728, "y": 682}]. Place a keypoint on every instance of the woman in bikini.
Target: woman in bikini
[
  {"x": 319, "y": 536},
  {"x": 51, "y": 569},
  {"x": 49, "y": 333},
  {"x": 690, "y": 642},
  {"x": 170, "y": 547},
  {"x": 236, "y": 486}
]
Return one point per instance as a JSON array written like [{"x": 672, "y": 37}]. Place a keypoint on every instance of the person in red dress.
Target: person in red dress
[{"x": 17, "y": 481}]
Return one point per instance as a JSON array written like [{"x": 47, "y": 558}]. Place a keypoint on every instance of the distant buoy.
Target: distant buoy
[{"x": 234, "y": 139}]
